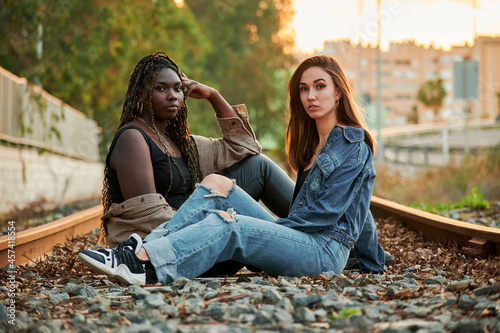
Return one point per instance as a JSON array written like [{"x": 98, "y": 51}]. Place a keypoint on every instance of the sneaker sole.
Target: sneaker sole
[{"x": 121, "y": 273}]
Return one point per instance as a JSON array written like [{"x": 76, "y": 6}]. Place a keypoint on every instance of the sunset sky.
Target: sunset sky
[{"x": 441, "y": 22}]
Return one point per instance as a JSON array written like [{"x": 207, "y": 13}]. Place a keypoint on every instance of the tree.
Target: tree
[
  {"x": 90, "y": 48},
  {"x": 413, "y": 116},
  {"x": 432, "y": 94},
  {"x": 247, "y": 61}
]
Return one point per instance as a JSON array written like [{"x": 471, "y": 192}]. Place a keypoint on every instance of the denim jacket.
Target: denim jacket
[{"x": 335, "y": 198}]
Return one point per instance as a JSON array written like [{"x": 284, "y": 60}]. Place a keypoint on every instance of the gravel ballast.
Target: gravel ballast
[{"x": 429, "y": 288}]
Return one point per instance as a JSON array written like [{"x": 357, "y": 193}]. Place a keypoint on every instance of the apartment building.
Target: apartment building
[{"x": 406, "y": 66}]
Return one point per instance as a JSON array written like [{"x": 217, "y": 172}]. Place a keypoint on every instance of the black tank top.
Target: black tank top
[
  {"x": 180, "y": 187},
  {"x": 301, "y": 177}
]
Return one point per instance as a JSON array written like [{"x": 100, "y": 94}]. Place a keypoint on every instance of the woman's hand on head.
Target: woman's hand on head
[
  {"x": 197, "y": 90},
  {"x": 200, "y": 91}
]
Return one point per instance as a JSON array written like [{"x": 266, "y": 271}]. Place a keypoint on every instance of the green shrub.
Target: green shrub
[{"x": 475, "y": 200}]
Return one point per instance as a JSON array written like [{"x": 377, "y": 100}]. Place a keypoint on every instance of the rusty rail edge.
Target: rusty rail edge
[
  {"x": 482, "y": 241},
  {"x": 38, "y": 241},
  {"x": 35, "y": 242}
]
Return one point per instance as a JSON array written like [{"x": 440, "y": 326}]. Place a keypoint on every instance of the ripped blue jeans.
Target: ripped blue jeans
[{"x": 198, "y": 237}]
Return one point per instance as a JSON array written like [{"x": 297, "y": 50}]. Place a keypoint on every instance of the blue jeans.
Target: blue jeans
[
  {"x": 264, "y": 180},
  {"x": 198, "y": 237}
]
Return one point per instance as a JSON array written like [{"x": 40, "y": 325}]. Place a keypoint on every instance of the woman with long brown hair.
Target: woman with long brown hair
[{"x": 330, "y": 146}]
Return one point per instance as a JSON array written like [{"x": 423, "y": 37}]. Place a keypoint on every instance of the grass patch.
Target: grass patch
[{"x": 473, "y": 201}]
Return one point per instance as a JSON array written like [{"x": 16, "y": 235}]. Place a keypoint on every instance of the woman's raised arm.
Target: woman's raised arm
[{"x": 198, "y": 90}]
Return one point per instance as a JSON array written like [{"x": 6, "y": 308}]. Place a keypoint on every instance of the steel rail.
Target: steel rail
[
  {"x": 35, "y": 242},
  {"x": 476, "y": 240}
]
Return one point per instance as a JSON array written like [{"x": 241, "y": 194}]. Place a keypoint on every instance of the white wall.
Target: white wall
[
  {"x": 27, "y": 176},
  {"x": 48, "y": 150}
]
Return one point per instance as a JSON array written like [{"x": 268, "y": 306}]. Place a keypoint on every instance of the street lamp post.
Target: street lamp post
[{"x": 380, "y": 154}]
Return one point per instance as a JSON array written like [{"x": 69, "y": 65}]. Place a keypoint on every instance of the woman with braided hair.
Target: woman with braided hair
[{"x": 154, "y": 163}]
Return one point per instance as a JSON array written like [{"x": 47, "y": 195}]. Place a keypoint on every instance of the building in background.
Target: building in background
[{"x": 406, "y": 66}]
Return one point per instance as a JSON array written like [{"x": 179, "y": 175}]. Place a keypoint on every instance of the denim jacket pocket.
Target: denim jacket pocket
[{"x": 326, "y": 166}]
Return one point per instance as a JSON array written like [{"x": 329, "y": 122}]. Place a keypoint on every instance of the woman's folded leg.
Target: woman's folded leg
[{"x": 264, "y": 180}]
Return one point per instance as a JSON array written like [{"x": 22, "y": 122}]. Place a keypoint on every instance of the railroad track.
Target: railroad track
[
  {"x": 35, "y": 242},
  {"x": 474, "y": 240}
]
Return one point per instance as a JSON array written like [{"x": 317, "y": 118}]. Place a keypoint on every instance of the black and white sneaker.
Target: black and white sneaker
[{"x": 120, "y": 262}]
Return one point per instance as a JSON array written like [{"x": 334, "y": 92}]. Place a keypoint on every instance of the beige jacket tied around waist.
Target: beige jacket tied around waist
[{"x": 143, "y": 213}]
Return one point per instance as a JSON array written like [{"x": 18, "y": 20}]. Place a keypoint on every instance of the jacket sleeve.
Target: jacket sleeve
[
  {"x": 237, "y": 142},
  {"x": 331, "y": 202},
  {"x": 138, "y": 215}
]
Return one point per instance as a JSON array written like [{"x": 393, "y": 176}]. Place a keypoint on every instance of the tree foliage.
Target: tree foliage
[
  {"x": 431, "y": 94},
  {"x": 247, "y": 59},
  {"x": 91, "y": 47}
]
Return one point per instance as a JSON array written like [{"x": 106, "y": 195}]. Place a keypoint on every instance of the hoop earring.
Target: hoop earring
[{"x": 140, "y": 106}]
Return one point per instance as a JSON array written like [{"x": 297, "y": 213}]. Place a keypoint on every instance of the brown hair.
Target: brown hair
[{"x": 301, "y": 135}]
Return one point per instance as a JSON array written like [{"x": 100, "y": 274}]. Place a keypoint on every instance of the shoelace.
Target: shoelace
[{"x": 118, "y": 251}]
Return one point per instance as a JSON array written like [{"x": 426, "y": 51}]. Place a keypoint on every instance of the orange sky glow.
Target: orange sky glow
[{"x": 443, "y": 23}]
